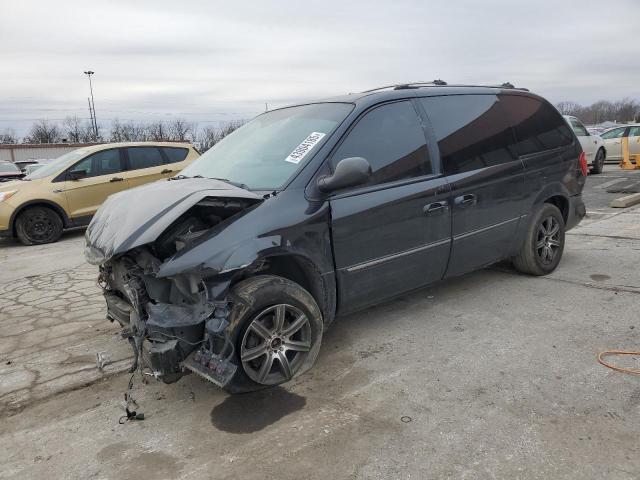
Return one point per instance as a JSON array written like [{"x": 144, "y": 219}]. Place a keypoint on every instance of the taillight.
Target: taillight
[{"x": 583, "y": 164}]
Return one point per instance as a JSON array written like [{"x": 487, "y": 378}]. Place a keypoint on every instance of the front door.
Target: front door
[
  {"x": 104, "y": 176},
  {"x": 613, "y": 142},
  {"x": 394, "y": 234},
  {"x": 634, "y": 140}
]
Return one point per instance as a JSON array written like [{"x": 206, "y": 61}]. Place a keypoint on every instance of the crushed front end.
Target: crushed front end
[
  {"x": 171, "y": 323},
  {"x": 176, "y": 322}
]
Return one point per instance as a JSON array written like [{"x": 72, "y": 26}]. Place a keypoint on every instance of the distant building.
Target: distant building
[{"x": 36, "y": 151}]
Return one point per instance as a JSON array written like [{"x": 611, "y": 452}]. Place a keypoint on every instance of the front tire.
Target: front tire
[
  {"x": 598, "y": 163},
  {"x": 276, "y": 327},
  {"x": 542, "y": 249},
  {"x": 38, "y": 225}
]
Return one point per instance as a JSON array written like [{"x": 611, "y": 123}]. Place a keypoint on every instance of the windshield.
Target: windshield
[
  {"x": 58, "y": 164},
  {"x": 266, "y": 152},
  {"x": 8, "y": 168}
]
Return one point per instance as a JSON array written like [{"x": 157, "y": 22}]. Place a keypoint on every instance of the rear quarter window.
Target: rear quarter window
[
  {"x": 537, "y": 125},
  {"x": 175, "y": 154},
  {"x": 144, "y": 157},
  {"x": 472, "y": 131}
]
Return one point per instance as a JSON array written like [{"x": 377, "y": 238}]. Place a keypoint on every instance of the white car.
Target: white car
[
  {"x": 593, "y": 145},
  {"x": 613, "y": 140}
]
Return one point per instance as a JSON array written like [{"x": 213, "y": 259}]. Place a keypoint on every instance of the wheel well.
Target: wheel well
[
  {"x": 38, "y": 203},
  {"x": 304, "y": 273},
  {"x": 562, "y": 203}
]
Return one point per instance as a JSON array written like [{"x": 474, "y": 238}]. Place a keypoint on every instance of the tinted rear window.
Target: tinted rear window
[
  {"x": 472, "y": 131},
  {"x": 144, "y": 157},
  {"x": 174, "y": 154},
  {"x": 537, "y": 125}
]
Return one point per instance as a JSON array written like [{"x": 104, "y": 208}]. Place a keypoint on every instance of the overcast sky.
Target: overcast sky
[{"x": 208, "y": 61}]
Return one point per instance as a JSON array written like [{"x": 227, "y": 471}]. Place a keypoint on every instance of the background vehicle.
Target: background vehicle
[
  {"x": 9, "y": 172},
  {"x": 22, "y": 164},
  {"x": 68, "y": 191},
  {"x": 593, "y": 145},
  {"x": 328, "y": 208},
  {"x": 32, "y": 167},
  {"x": 613, "y": 140}
]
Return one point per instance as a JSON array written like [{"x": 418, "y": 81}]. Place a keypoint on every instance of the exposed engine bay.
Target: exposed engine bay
[{"x": 175, "y": 324}]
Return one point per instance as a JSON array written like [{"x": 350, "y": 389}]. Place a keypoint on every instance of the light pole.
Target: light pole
[{"x": 88, "y": 73}]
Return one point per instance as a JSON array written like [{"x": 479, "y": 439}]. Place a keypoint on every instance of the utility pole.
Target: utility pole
[
  {"x": 91, "y": 116},
  {"x": 88, "y": 73},
  {"x": 266, "y": 107}
]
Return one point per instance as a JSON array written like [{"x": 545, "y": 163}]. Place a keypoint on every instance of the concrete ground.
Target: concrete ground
[{"x": 491, "y": 375}]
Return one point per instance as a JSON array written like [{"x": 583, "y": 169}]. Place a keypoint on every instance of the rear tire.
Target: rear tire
[
  {"x": 38, "y": 225},
  {"x": 542, "y": 249},
  {"x": 276, "y": 327},
  {"x": 598, "y": 162}
]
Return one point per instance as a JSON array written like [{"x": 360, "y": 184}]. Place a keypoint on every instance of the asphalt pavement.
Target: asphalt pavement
[{"x": 489, "y": 375}]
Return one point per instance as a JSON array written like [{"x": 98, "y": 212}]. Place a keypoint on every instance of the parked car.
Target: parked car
[
  {"x": 613, "y": 140},
  {"x": 592, "y": 145},
  {"x": 32, "y": 167},
  {"x": 23, "y": 164},
  {"x": 9, "y": 172},
  {"x": 67, "y": 192},
  {"x": 234, "y": 269}
]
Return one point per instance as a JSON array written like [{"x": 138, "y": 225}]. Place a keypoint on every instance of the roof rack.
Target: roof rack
[
  {"x": 405, "y": 86},
  {"x": 440, "y": 83}
]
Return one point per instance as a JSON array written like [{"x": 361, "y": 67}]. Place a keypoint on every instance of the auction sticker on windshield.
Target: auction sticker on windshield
[{"x": 305, "y": 147}]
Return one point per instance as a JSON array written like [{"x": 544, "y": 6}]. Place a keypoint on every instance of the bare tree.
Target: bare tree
[
  {"x": 43, "y": 132},
  {"x": 73, "y": 129},
  {"x": 625, "y": 110},
  {"x": 157, "y": 131},
  {"x": 127, "y": 132},
  {"x": 212, "y": 135},
  {"x": 181, "y": 130},
  {"x": 8, "y": 136},
  {"x": 569, "y": 108}
]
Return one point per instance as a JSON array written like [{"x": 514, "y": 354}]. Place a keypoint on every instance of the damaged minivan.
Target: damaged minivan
[{"x": 234, "y": 268}]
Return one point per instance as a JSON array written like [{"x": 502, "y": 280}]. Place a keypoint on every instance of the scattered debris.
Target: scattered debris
[{"x": 102, "y": 359}]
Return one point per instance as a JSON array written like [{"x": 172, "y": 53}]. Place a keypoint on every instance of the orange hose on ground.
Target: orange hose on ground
[{"x": 613, "y": 367}]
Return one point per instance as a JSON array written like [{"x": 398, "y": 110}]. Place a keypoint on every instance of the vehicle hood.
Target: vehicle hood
[
  {"x": 11, "y": 174},
  {"x": 17, "y": 184},
  {"x": 138, "y": 216}
]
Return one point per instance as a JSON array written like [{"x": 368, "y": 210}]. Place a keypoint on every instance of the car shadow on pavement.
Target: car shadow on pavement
[{"x": 10, "y": 242}]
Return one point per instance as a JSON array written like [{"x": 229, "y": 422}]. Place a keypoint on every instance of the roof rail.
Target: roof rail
[{"x": 406, "y": 86}]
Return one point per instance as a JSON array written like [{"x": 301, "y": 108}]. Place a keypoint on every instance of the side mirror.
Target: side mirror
[
  {"x": 77, "y": 174},
  {"x": 349, "y": 172}
]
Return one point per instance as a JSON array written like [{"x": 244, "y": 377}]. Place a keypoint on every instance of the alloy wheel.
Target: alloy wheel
[
  {"x": 548, "y": 240},
  {"x": 275, "y": 344}
]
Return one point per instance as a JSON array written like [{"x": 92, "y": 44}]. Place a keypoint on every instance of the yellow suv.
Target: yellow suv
[{"x": 67, "y": 192}]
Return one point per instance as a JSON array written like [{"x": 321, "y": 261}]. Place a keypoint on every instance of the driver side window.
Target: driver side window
[
  {"x": 391, "y": 138},
  {"x": 106, "y": 162}
]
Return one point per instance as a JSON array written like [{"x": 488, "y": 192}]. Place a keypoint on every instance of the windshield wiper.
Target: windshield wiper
[
  {"x": 225, "y": 180},
  {"x": 235, "y": 184},
  {"x": 183, "y": 177}
]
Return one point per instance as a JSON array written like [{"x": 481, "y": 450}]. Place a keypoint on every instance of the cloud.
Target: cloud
[{"x": 207, "y": 59}]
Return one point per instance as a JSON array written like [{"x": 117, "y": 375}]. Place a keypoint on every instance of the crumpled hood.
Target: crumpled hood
[{"x": 138, "y": 216}]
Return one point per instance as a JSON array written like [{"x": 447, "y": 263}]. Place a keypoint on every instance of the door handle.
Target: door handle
[
  {"x": 465, "y": 200},
  {"x": 166, "y": 170},
  {"x": 435, "y": 207},
  {"x": 116, "y": 179}
]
